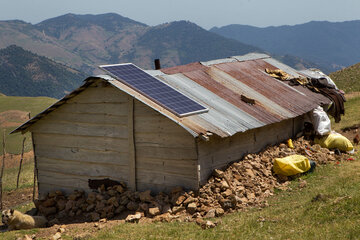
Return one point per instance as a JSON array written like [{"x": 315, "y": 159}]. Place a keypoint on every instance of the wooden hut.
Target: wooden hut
[{"x": 107, "y": 130}]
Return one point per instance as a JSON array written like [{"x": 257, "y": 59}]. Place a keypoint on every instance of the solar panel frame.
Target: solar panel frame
[{"x": 174, "y": 107}]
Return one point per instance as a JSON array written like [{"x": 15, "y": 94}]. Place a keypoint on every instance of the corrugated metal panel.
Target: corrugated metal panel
[
  {"x": 251, "y": 56},
  {"x": 282, "y": 66},
  {"x": 251, "y": 73},
  {"x": 219, "y": 85},
  {"x": 311, "y": 98},
  {"x": 184, "y": 68},
  {"x": 218, "y": 61},
  {"x": 154, "y": 72},
  {"x": 221, "y": 115},
  {"x": 206, "y": 79},
  {"x": 241, "y": 88}
]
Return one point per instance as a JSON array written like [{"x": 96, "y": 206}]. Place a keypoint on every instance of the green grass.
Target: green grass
[
  {"x": 291, "y": 215},
  {"x": 352, "y": 114},
  {"x": 26, "y": 181},
  {"x": 34, "y": 105},
  {"x": 14, "y": 142},
  {"x": 348, "y": 79},
  {"x": 26, "y": 177},
  {"x": 17, "y": 234}
]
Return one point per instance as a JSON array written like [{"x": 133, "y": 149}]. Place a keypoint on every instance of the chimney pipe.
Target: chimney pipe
[{"x": 157, "y": 64}]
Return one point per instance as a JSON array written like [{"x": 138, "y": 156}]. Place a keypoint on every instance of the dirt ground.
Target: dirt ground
[
  {"x": 81, "y": 230},
  {"x": 17, "y": 197},
  {"x": 351, "y": 132}
]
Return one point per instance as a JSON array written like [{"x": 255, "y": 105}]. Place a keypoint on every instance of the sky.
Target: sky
[{"x": 206, "y": 13}]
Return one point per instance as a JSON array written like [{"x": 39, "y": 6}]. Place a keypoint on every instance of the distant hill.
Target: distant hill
[
  {"x": 29, "y": 37},
  {"x": 327, "y": 44},
  {"x": 183, "y": 42},
  {"x": 348, "y": 79},
  {"x": 95, "y": 39},
  {"x": 111, "y": 38},
  {"x": 59, "y": 26},
  {"x": 23, "y": 73},
  {"x": 85, "y": 41}
]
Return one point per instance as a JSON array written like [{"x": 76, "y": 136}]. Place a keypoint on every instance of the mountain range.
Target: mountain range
[
  {"x": 23, "y": 73},
  {"x": 85, "y": 41},
  {"x": 331, "y": 45}
]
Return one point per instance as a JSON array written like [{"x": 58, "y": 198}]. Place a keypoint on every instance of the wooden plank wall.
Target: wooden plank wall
[
  {"x": 86, "y": 138},
  {"x": 166, "y": 154},
  {"x": 218, "y": 152}
]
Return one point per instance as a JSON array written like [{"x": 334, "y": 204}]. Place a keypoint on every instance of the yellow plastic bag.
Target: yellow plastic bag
[
  {"x": 291, "y": 165},
  {"x": 335, "y": 140}
]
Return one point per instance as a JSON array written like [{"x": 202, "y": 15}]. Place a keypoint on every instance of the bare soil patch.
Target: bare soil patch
[
  {"x": 17, "y": 197},
  {"x": 351, "y": 132}
]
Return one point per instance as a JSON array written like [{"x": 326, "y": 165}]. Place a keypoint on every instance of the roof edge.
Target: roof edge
[{"x": 23, "y": 128}]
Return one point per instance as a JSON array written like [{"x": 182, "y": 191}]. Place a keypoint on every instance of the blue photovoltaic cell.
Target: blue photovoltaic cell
[{"x": 154, "y": 89}]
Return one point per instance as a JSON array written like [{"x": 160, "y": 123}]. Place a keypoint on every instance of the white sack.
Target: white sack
[{"x": 320, "y": 121}]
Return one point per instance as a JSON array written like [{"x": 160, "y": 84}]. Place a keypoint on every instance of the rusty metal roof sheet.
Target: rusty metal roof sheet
[{"x": 223, "y": 86}]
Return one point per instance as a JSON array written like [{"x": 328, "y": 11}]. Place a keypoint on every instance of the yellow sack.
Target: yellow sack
[
  {"x": 291, "y": 165},
  {"x": 335, "y": 140}
]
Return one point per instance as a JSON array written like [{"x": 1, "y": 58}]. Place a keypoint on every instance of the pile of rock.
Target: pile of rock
[{"x": 245, "y": 183}]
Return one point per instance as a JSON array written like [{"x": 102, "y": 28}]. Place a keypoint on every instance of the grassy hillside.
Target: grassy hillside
[
  {"x": 9, "y": 122},
  {"x": 352, "y": 114},
  {"x": 291, "y": 215},
  {"x": 23, "y": 73},
  {"x": 348, "y": 79}
]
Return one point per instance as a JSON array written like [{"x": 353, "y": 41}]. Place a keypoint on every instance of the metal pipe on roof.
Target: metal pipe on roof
[{"x": 157, "y": 64}]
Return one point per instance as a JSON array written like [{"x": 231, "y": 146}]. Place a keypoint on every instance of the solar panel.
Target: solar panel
[{"x": 157, "y": 91}]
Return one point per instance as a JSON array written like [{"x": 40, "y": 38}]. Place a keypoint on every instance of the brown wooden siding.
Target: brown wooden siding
[
  {"x": 86, "y": 138},
  {"x": 218, "y": 152},
  {"x": 165, "y": 153}
]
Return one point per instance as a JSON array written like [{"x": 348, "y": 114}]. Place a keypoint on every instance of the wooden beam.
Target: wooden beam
[
  {"x": 21, "y": 160},
  {"x": 36, "y": 173},
  {"x": 132, "y": 153},
  {"x": 198, "y": 167},
  {"x": 2, "y": 171}
]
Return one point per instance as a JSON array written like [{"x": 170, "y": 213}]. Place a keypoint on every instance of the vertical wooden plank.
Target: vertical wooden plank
[
  {"x": 21, "y": 160},
  {"x": 198, "y": 167},
  {"x": 36, "y": 179},
  {"x": 132, "y": 153},
  {"x": 2, "y": 171}
]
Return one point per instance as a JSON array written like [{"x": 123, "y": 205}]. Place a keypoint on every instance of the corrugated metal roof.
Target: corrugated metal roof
[{"x": 220, "y": 85}]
